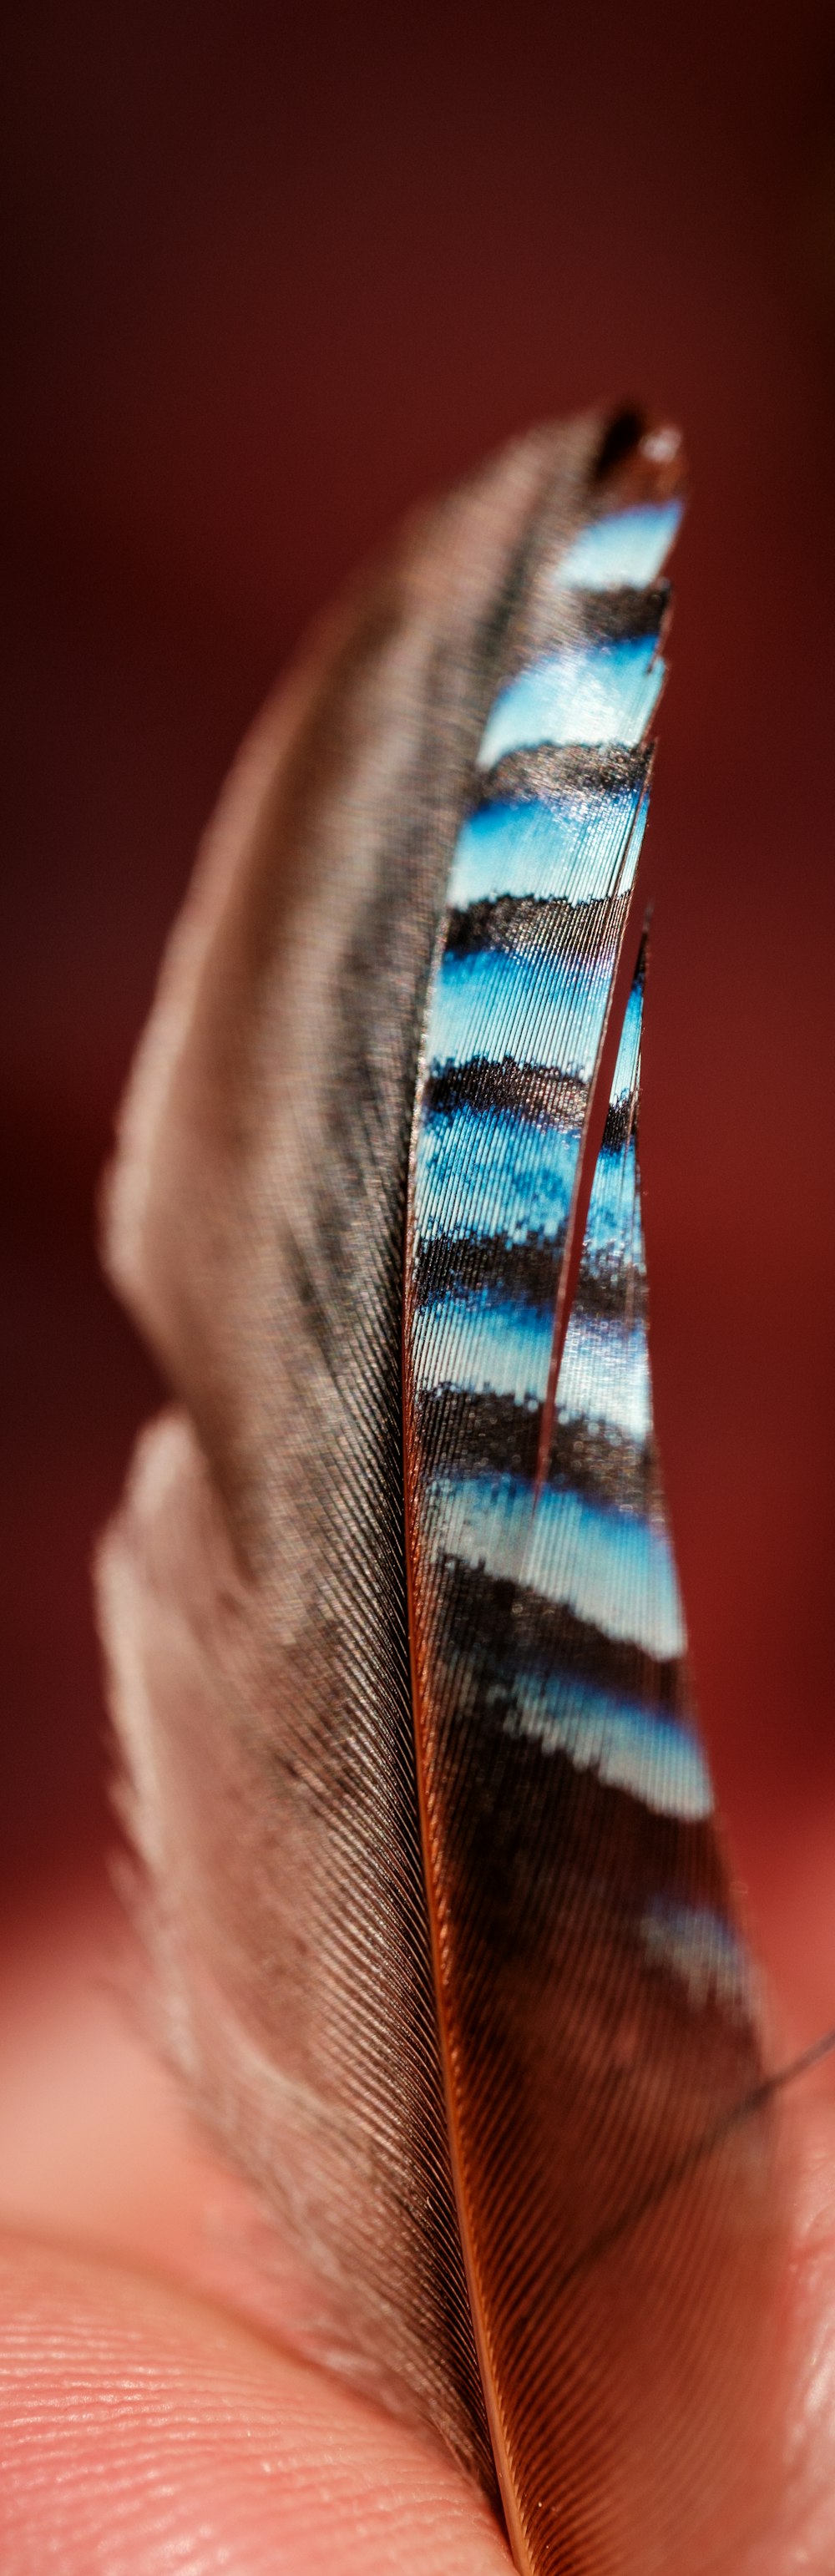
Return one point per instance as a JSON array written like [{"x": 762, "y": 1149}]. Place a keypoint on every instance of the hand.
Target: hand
[
  {"x": 150, "y": 2427},
  {"x": 147, "y": 2427}
]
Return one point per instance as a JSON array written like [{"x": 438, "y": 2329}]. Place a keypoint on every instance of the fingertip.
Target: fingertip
[{"x": 142, "y": 2430}]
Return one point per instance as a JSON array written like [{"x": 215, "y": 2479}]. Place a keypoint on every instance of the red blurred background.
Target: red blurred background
[{"x": 272, "y": 275}]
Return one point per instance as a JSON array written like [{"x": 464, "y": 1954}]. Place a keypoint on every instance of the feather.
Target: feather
[{"x": 445, "y": 1941}]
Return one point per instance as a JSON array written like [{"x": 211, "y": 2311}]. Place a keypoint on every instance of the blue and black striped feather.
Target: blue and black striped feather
[
  {"x": 447, "y": 1949},
  {"x": 595, "y": 1990}
]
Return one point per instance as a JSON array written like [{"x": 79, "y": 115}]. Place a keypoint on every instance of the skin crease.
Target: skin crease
[{"x": 147, "y": 2425}]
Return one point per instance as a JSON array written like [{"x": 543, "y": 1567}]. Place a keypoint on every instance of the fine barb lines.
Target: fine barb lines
[{"x": 446, "y": 1942}]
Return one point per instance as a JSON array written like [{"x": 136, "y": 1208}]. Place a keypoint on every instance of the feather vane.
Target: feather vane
[{"x": 443, "y": 1918}]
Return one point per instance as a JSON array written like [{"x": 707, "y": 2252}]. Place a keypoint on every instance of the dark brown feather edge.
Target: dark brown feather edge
[{"x": 253, "y": 1589}]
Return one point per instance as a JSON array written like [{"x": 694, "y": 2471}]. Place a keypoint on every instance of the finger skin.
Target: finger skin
[
  {"x": 146, "y": 2430},
  {"x": 143, "y": 2433}
]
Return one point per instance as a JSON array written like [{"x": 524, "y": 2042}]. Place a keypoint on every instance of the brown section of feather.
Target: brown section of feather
[{"x": 259, "y": 1628}]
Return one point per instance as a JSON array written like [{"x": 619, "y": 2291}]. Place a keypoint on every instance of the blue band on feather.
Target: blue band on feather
[
  {"x": 594, "y": 693},
  {"x": 539, "y": 1011},
  {"x": 655, "y": 1759},
  {"x": 502, "y": 1346},
  {"x": 586, "y": 848},
  {"x": 626, "y": 549},
  {"x": 611, "y": 1568}
]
